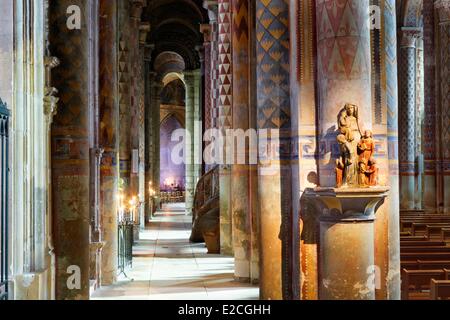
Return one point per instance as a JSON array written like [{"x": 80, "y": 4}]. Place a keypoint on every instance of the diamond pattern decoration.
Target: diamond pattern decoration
[
  {"x": 225, "y": 75},
  {"x": 272, "y": 33}
]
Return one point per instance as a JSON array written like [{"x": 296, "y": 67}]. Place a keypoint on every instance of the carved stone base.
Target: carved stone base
[{"x": 346, "y": 247}]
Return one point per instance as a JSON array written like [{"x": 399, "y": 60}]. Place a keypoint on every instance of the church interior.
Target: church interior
[{"x": 225, "y": 150}]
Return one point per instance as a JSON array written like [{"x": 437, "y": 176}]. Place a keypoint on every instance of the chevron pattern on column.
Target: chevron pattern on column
[
  {"x": 272, "y": 33},
  {"x": 225, "y": 75}
]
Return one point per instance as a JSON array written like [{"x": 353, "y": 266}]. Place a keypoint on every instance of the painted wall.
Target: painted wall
[{"x": 172, "y": 175}]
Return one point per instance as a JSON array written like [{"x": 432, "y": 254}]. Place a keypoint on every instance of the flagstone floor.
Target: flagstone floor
[{"x": 166, "y": 266}]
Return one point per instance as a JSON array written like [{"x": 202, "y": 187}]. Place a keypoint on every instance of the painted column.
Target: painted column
[
  {"x": 198, "y": 137},
  {"x": 143, "y": 184},
  {"x": 135, "y": 65},
  {"x": 442, "y": 8},
  {"x": 390, "y": 93},
  {"x": 70, "y": 151},
  {"x": 205, "y": 29},
  {"x": 108, "y": 138},
  {"x": 419, "y": 123},
  {"x": 242, "y": 203},
  {"x": 273, "y": 112},
  {"x": 149, "y": 152},
  {"x": 430, "y": 154},
  {"x": 343, "y": 53},
  {"x": 157, "y": 87},
  {"x": 189, "y": 78},
  {"x": 224, "y": 120},
  {"x": 407, "y": 122},
  {"x": 124, "y": 97}
]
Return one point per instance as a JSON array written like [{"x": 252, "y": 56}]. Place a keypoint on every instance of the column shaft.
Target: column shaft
[
  {"x": 189, "y": 78},
  {"x": 274, "y": 110},
  {"x": 242, "y": 202},
  {"x": 407, "y": 123},
  {"x": 70, "y": 151},
  {"x": 343, "y": 52},
  {"x": 391, "y": 97},
  {"x": 224, "y": 119},
  {"x": 108, "y": 138}
]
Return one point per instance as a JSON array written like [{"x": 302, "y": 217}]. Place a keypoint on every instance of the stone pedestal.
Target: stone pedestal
[{"x": 346, "y": 248}]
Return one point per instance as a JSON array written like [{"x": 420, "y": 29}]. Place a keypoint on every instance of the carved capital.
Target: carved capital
[
  {"x": 144, "y": 29},
  {"x": 136, "y": 8},
  {"x": 205, "y": 29},
  {"x": 409, "y": 37},
  {"x": 443, "y": 10}
]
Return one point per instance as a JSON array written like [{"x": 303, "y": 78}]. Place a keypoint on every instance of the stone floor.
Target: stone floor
[{"x": 166, "y": 266}]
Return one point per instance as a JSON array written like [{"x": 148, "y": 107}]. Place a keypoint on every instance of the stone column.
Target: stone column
[
  {"x": 108, "y": 138},
  {"x": 198, "y": 137},
  {"x": 442, "y": 8},
  {"x": 224, "y": 119},
  {"x": 189, "y": 79},
  {"x": 407, "y": 140},
  {"x": 135, "y": 65},
  {"x": 149, "y": 78},
  {"x": 157, "y": 87},
  {"x": 70, "y": 151},
  {"x": 242, "y": 202},
  {"x": 390, "y": 92},
  {"x": 343, "y": 53},
  {"x": 273, "y": 112},
  {"x": 347, "y": 253},
  {"x": 124, "y": 96},
  {"x": 430, "y": 154},
  {"x": 143, "y": 184},
  {"x": 419, "y": 121},
  {"x": 206, "y": 30}
]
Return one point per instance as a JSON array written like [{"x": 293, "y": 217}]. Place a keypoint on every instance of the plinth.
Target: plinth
[{"x": 346, "y": 248}]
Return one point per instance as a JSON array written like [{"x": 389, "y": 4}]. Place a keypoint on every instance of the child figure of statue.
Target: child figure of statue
[{"x": 368, "y": 171}]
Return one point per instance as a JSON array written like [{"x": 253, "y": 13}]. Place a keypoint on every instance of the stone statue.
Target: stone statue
[
  {"x": 368, "y": 172},
  {"x": 350, "y": 134},
  {"x": 356, "y": 166}
]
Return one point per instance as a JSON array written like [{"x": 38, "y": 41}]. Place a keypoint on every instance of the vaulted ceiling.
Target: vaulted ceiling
[{"x": 175, "y": 27}]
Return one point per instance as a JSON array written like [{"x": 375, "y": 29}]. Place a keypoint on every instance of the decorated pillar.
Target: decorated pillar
[
  {"x": 243, "y": 202},
  {"x": 224, "y": 119},
  {"x": 407, "y": 113},
  {"x": 125, "y": 74},
  {"x": 430, "y": 202},
  {"x": 442, "y": 9},
  {"x": 189, "y": 78},
  {"x": 274, "y": 171},
  {"x": 155, "y": 105},
  {"x": 135, "y": 65},
  {"x": 343, "y": 53},
  {"x": 389, "y": 92},
  {"x": 149, "y": 154},
  {"x": 70, "y": 150},
  {"x": 143, "y": 184},
  {"x": 108, "y": 138}
]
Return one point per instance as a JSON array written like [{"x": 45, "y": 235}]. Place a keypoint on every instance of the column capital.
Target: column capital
[
  {"x": 205, "y": 29},
  {"x": 136, "y": 8},
  {"x": 144, "y": 29},
  {"x": 443, "y": 10},
  {"x": 409, "y": 36}
]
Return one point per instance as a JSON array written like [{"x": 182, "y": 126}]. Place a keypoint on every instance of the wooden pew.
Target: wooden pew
[
  {"x": 428, "y": 256},
  {"x": 445, "y": 234},
  {"x": 423, "y": 243},
  {"x": 433, "y": 265},
  {"x": 440, "y": 289},
  {"x": 425, "y": 249},
  {"x": 417, "y": 281},
  {"x": 414, "y": 238},
  {"x": 420, "y": 228}
]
